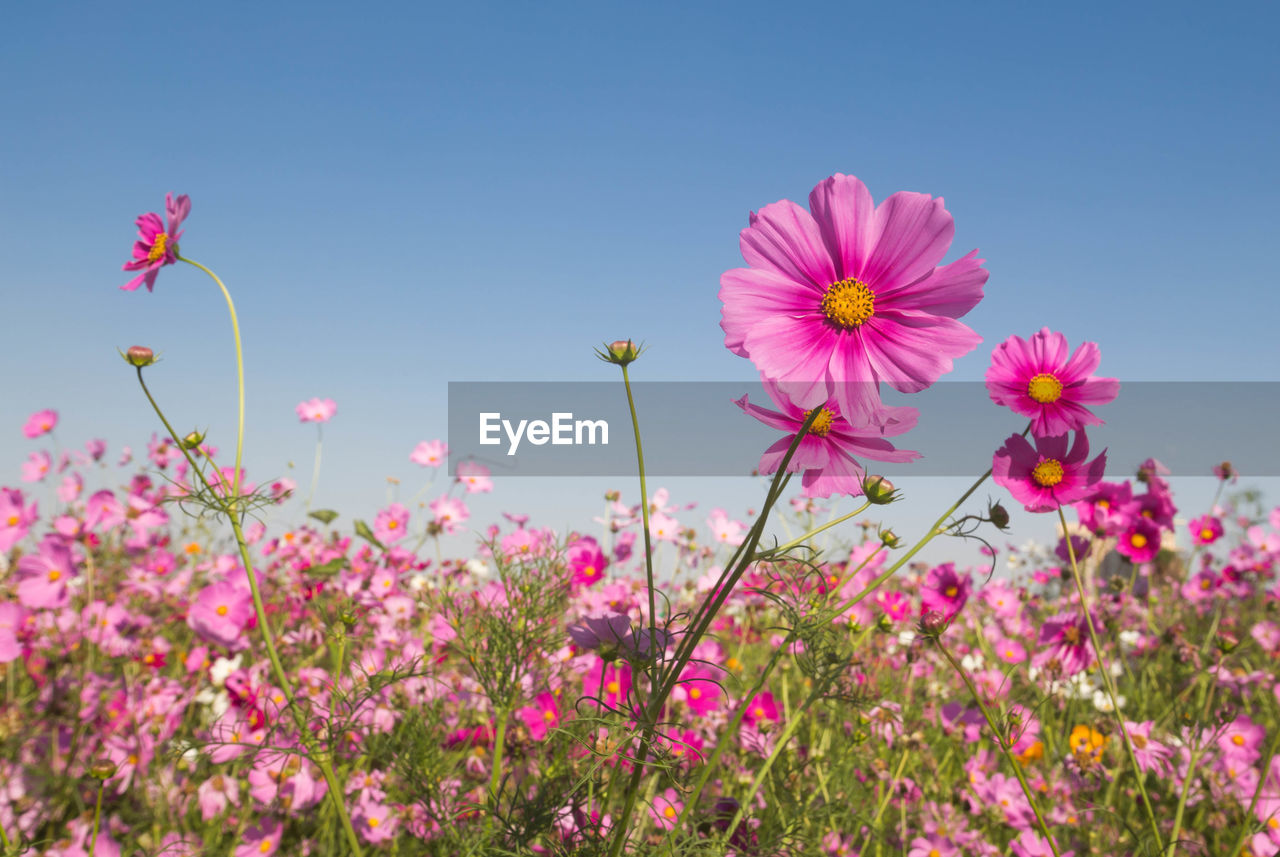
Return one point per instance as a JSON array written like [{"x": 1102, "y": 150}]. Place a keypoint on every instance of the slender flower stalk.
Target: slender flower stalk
[
  {"x": 1000, "y": 742},
  {"x": 1107, "y": 682},
  {"x": 315, "y": 469}
]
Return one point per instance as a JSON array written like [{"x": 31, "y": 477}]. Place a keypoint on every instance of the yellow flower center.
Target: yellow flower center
[
  {"x": 849, "y": 303},
  {"x": 695, "y": 694},
  {"x": 1103, "y": 504},
  {"x": 265, "y": 847},
  {"x": 821, "y": 423},
  {"x": 934, "y": 852},
  {"x": 1238, "y": 740},
  {"x": 548, "y": 715},
  {"x": 589, "y": 571},
  {"x": 669, "y": 812},
  {"x": 1205, "y": 584},
  {"x": 54, "y": 575},
  {"x": 374, "y": 822},
  {"x": 13, "y": 520},
  {"x": 158, "y": 247},
  {"x": 1044, "y": 388},
  {"x": 951, "y": 591},
  {"x": 391, "y": 525},
  {"x": 1206, "y": 534},
  {"x": 1138, "y": 540},
  {"x": 758, "y": 711},
  {"x": 222, "y": 610},
  {"x": 613, "y": 687},
  {"x": 1047, "y": 473}
]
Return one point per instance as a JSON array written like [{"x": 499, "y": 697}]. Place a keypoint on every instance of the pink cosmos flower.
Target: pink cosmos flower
[
  {"x": 1037, "y": 379},
  {"x": 220, "y": 613},
  {"x": 15, "y": 518},
  {"x": 724, "y": 530},
  {"x": 11, "y": 619},
  {"x": 1141, "y": 542},
  {"x": 945, "y": 590},
  {"x": 316, "y": 410},
  {"x": 36, "y": 467},
  {"x": 44, "y": 575},
  {"x": 157, "y": 243},
  {"x": 41, "y": 422},
  {"x": 700, "y": 689},
  {"x": 450, "y": 514},
  {"x": 429, "y": 453},
  {"x": 261, "y": 840},
  {"x": 474, "y": 476},
  {"x": 374, "y": 821},
  {"x": 846, "y": 295},
  {"x": 1065, "y": 638},
  {"x": 1205, "y": 530},
  {"x": 1047, "y": 475},
  {"x": 586, "y": 561},
  {"x": 1107, "y": 509},
  {"x": 392, "y": 524},
  {"x": 1151, "y": 755},
  {"x": 666, "y": 809},
  {"x": 826, "y": 453},
  {"x": 540, "y": 717},
  {"x": 762, "y": 707}
]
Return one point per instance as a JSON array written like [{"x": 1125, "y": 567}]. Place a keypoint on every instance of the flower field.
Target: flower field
[{"x": 194, "y": 664}]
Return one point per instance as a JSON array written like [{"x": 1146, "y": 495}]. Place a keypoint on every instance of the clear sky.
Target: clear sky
[{"x": 401, "y": 195}]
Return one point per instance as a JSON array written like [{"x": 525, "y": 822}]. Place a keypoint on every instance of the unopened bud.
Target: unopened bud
[
  {"x": 1226, "y": 642},
  {"x": 933, "y": 623},
  {"x": 878, "y": 490},
  {"x": 348, "y": 618},
  {"x": 884, "y": 623},
  {"x": 998, "y": 515},
  {"x": 193, "y": 440},
  {"x": 890, "y": 539},
  {"x": 621, "y": 352},
  {"x": 103, "y": 769},
  {"x": 139, "y": 355}
]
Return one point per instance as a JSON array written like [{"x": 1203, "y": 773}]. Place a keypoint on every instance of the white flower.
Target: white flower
[
  {"x": 1102, "y": 702},
  {"x": 222, "y": 668},
  {"x": 1129, "y": 639},
  {"x": 905, "y": 638},
  {"x": 971, "y": 662},
  {"x": 478, "y": 568}
]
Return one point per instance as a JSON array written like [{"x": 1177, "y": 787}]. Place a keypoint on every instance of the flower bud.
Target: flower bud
[
  {"x": 884, "y": 623},
  {"x": 878, "y": 490},
  {"x": 932, "y": 624},
  {"x": 193, "y": 440},
  {"x": 103, "y": 769},
  {"x": 621, "y": 352},
  {"x": 139, "y": 355},
  {"x": 999, "y": 516},
  {"x": 1226, "y": 642},
  {"x": 890, "y": 539}
]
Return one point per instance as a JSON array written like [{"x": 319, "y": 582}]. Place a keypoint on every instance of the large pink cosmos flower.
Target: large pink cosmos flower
[
  {"x": 1038, "y": 379},
  {"x": 848, "y": 294},
  {"x": 825, "y": 454},
  {"x": 157, "y": 243},
  {"x": 41, "y": 422},
  {"x": 1047, "y": 475}
]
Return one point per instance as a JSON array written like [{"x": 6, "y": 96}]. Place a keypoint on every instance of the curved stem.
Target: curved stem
[
  {"x": 1106, "y": 680},
  {"x": 1000, "y": 742},
  {"x": 235, "y": 329}
]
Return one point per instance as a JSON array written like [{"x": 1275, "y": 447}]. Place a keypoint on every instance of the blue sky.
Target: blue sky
[{"x": 404, "y": 195}]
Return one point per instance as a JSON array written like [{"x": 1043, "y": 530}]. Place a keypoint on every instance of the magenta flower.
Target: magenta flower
[
  {"x": 1065, "y": 640},
  {"x": 1141, "y": 542},
  {"x": 220, "y": 613},
  {"x": 762, "y": 707},
  {"x": 316, "y": 410},
  {"x": 41, "y": 422},
  {"x": 666, "y": 809},
  {"x": 450, "y": 514},
  {"x": 11, "y": 618},
  {"x": 157, "y": 243},
  {"x": 261, "y": 840},
  {"x": 1047, "y": 475},
  {"x": 945, "y": 590},
  {"x": 540, "y": 717},
  {"x": 826, "y": 453},
  {"x": 1037, "y": 379},
  {"x": 700, "y": 689},
  {"x": 1205, "y": 530},
  {"x": 392, "y": 524},
  {"x": 586, "y": 561},
  {"x": 847, "y": 294}
]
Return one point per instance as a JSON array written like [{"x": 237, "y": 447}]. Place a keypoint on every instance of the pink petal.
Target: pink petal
[
  {"x": 845, "y": 213},
  {"x": 915, "y": 232},
  {"x": 951, "y": 290},
  {"x": 785, "y": 238},
  {"x": 911, "y": 352},
  {"x": 751, "y": 295}
]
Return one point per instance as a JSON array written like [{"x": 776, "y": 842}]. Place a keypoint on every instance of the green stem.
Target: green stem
[
  {"x": 780, "y": 549},
  {"x": 315, "y": 469},
  {"x": 1000, "y": 742},
  {"x": 1193, "y": 763},
  {"x": 1106, "y": 680},
  {"x": 97, "y": 815},
  {"x": 1257, "y": 792},
  {"x": 235, "y": 329},
  {"x": 644, "y": 512}
]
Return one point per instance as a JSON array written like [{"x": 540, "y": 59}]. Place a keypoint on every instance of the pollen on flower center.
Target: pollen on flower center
[
  {"x": 222, "y": 610},
  {"x": 849, "y": 303},
  {"x": 1045, "y": 388},
  {"x": 1138, "y": 540},
  {"x": 1047, "y": 473},
  {"x": 821, "y": 423},
  {"x": 159, "y": 247},
  {"x": 13, "y": 521}
]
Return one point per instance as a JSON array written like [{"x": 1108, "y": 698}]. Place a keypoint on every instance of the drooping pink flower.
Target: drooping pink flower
[
  {"x": 41, "y": 422},
  {"x": 316, "y": 410},
  {"x": 826, "y": 452},
  {"x": 391, "y": 524},
  {"x": 1205, "y": 530},
  {"x": 846, "y": 295},
  {"x": 1047, "y": 475},
  {"x": 429, "y": 453},
  {"x": 1038, "y": 379},
  {"x": 157, "y": 243},
  {"x": 220, "y": 613}
]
